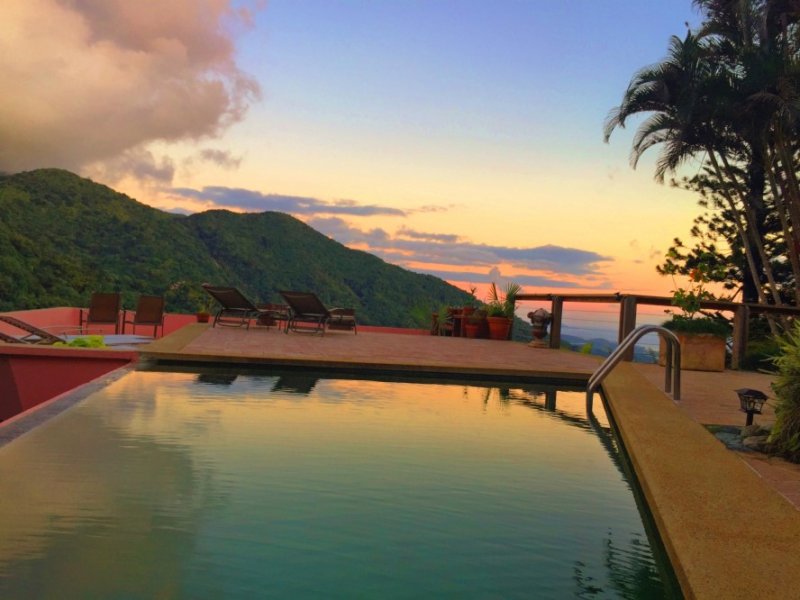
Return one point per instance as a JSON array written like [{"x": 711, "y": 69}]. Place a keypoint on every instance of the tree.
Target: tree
[{"x": 726, "y": 95}]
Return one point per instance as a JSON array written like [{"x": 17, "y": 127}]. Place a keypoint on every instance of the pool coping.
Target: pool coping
[{"x": 727, "y": 533}]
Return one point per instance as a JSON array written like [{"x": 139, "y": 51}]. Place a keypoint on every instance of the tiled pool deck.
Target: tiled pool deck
[{"x": 730, "y": 521}]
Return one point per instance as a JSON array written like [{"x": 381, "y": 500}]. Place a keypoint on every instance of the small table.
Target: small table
[{"x": 271, "y": 314}]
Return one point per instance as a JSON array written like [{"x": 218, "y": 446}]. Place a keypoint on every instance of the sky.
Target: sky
[{"x": 458, "y": 138}]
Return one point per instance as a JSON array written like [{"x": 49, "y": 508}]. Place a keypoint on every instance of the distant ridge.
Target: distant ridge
[{"x": 63, "y": 236}]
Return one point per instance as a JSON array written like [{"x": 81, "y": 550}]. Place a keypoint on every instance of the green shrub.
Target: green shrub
[
  {"x": 785, "y": 436},
  {"x": 86, "y": 341},
  {"x": 681, "y": 324},
  {"x": 761, "y": 355}
]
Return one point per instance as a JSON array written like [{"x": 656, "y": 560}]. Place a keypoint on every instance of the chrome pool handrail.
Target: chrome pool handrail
[{"x": 672, "y": 372}]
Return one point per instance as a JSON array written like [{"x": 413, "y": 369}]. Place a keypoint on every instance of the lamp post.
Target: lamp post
[{"x": 751, "y": 402}]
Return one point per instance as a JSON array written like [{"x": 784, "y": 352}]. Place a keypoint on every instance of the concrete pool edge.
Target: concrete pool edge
[
  {"x": 704, "y": 499},
  {"x": 30, "y": 419}
]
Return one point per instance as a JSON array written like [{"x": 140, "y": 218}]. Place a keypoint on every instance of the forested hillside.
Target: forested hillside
[{"x": 63, "y": 237}]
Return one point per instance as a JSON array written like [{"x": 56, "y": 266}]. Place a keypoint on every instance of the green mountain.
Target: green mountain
[{"x": 63, "y": 237}]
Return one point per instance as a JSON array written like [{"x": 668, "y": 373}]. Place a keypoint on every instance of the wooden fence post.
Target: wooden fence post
[
  {"x": 741, "y": 319},
  {"x": 557, "y": 310},
  {"x": 627, "y": 322}
]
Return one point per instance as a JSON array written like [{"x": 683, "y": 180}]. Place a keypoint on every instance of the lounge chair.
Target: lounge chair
[
  {"x": 36, "y": 335},
  {"x": 235, "y": 309},
  {"x": 104, "y": 309},
  {"x": 149, "y": 312},
  {"x": 9, "y": 339},
  {"x": 305, "y": 307}
]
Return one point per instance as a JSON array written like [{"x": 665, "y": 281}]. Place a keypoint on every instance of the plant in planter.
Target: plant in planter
[
  {"x": 186, "y": 297},
  {"x": 471, "y": 305},
  {"x": 443, "y": 321},
  {"x": 500, "y": 310},
  {"x": 702, "y": 337},
  {"x": 205, "y": 304},
  {"x": 475, "y": 325}
]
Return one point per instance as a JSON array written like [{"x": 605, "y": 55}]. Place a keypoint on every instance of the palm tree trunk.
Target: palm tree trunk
[
  {"x": 778, "y": 193},
  {"x": 752, "y": 228},
  {"x": 748, "y": 251},
  {"x": 793, "y": 198}
]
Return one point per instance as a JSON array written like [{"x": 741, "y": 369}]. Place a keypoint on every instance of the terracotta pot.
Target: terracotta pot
[
  {"x": 498, "y": 327},
  {"x": 471, "y": 329},
  {"x": 699, "y": 352},
  {"x": 203, "y": 317}
]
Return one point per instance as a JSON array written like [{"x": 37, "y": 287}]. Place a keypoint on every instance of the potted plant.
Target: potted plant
[
  {"x": 500, "y": 310},
  {"x": 471, "y": 306},
  {"x": 475, "y": 324},
  {"x": 701, "y": 336},
  {"x": 204, "y": 303},
  {"x": 186, "y": 296}
]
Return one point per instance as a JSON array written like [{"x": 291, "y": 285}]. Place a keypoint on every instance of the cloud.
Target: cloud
[
  {"x": 548, "y": 258},
  {"x": 433, "y": 208},
  {"x": 95, "y": 81},
  {"x": 178, "y": 210},
  {"x": 493, "y": 275},
  {"x": 651, "y": 252},
  {"x": 434, "y": 237},
  {"x": 252, "y": 200},
  {"x": 138, "y": 163},
  {"x": 221, "y": 158}
]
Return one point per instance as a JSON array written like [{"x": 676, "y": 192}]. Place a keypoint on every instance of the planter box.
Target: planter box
[{"x": 699, "y": 352}]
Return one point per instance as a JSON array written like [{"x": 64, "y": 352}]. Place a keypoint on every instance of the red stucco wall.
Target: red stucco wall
[{"x": 32, "y": 375}]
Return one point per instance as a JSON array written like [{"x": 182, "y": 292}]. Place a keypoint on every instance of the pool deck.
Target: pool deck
[{"x": 730, "y": 521}]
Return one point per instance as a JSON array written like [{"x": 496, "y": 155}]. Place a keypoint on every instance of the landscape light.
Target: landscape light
[{"x": 751, "y": 402}]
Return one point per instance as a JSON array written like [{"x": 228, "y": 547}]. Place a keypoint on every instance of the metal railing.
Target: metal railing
[{"x": 672, "y": 372}]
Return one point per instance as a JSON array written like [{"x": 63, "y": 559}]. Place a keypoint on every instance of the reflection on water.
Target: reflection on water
[
  {"x": 287, "y": 485},
  {"x": 217, "y": 378},
  {"x": 294, "y": 383}
]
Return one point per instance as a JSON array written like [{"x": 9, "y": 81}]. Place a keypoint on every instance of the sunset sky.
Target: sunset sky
[{"x": 459, "y": 138}]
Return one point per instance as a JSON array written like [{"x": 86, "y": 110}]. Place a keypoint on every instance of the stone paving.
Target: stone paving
[
  {"x": 373, "y": 349},
  {"x": 709, "y": 399}
]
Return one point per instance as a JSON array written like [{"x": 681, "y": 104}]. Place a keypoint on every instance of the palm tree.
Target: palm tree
[
  {"x": 751, "y": 38},
  {"x": 726, "y": 94},
  {"x": 689, "y": 97}
]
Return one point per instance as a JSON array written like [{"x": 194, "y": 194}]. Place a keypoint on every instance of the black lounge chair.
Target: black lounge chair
[
  {"x": 104, "y": 309},
  {"x": 36, "y": 335},
  {"x": 235, "y": 309},
  {"x": 305, "y": 307},
  {"x": 149, "y": 312}
]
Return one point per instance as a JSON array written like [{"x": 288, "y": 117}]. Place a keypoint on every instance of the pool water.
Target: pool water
[{"x": 294, "y": 485}]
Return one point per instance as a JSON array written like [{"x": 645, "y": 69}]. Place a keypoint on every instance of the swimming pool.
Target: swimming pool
[{"x": 301, "y": 485}]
